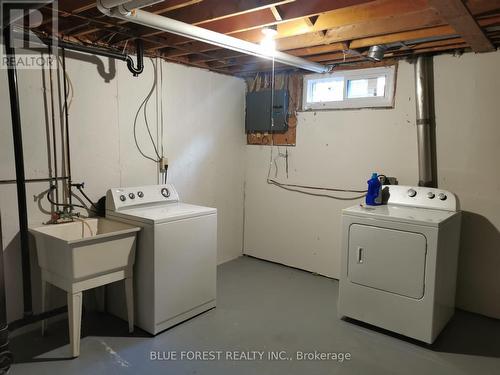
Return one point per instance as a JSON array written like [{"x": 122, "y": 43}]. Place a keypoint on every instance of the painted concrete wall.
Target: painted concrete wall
[
  {"x": 336, "y": 149},
  {"x": 468, "y": 147},
  {"x": 342, "y": 148},
  {"x": 203, "y": 138}
]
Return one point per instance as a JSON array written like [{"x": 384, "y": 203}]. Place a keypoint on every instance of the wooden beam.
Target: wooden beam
[
  {"x": 402, "y": 36},
  {"x": 237, "y": 22},
  {"x": 319, "y": 49},
  {"x": 212, "y": 10},
  {"x": 483, "y": 7},
  {"x": 221, "y": 15},
  {"x": 385, "y": 14},
  {"x": 170, "y": 5},
  {"x": 458, "y": 16},
  {"x": 276, "y": 13},
  {"x": 351, "y": 15},
  {"x": 379, "y": 26}
]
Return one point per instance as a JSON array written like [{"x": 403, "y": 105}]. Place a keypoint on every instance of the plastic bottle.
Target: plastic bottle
[{"x": 374, "y": 195}]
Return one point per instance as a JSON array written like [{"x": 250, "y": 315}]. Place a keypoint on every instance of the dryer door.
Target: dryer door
[{"x": 387, "y": 259}]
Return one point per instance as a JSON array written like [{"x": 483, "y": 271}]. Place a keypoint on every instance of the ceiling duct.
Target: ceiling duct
[
  {"x": 124, "y": 12},
  {"x": 376, "y": 53}
]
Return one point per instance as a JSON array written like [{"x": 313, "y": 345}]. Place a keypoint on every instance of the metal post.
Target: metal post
[
  {"x": 66, "y": 120},
  {"x": 20, "y": 178},
  {"x": 5, "y": 354}
]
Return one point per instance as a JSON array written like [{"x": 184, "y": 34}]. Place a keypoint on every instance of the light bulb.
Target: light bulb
[{"x": 268, "y": 44}]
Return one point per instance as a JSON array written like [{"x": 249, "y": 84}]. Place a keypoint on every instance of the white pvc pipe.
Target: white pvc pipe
[
  {"x": 211, "y": 37},
  {"x": 137, "y": 4},
  {"x": 109, "y": 4}
]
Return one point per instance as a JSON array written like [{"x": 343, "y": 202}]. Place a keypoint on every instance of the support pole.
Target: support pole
[{"x": 20, "y": 177}]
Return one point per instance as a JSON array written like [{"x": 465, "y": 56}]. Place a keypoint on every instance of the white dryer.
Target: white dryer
[
  {"x": 175, "y": 267},
  {"x": 399, "y": 261}
]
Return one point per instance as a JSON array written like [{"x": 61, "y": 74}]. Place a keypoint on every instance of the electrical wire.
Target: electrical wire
[
  {"x": 318, "y": 187},
  {"x": 144, "y": 107},
  {"x": 285, "y": 187}
]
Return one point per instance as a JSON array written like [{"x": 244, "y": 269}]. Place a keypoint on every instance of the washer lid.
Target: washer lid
[
  {"x": 406, "y": 214},
  {"x": 164, "y": 213}
]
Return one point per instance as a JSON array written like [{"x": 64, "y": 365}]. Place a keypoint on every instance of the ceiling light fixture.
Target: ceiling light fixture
[{"x": 268, "y": 43}]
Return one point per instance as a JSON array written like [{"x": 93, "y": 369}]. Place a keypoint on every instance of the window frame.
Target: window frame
[{"x": 386, "y": 101}]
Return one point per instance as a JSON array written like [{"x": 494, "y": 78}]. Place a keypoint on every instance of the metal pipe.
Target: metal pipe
[
  {"x": 34, "y": 180},
  {"x": 91, "y": 50},
  {"x": 424, "y": 142},
  {"x": 186, "y": 30},
  {"x": 5, "y": 353},
  {"x": 19, "y": 162},
  {"x": 66, "y": 123},
  {"x": 140, "y": 59},
  {"x": 53, "y": 122}
]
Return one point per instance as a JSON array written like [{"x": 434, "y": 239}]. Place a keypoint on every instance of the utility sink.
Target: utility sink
[
  {"x": 82, "y": 255},
  {"x": 85, "y": 248}
]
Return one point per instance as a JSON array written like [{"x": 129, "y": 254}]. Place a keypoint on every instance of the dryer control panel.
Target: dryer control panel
[
  {"x": 122, "y": 198},
  {"x": 419, "y": 196}
]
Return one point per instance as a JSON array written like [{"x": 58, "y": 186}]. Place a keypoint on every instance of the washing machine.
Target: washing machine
[
  {"x": 399, "y": 261},
  {"x": 175, "y": 267}
]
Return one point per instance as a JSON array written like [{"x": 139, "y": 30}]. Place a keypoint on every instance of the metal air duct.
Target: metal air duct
[{"x": 424, "y": 140}]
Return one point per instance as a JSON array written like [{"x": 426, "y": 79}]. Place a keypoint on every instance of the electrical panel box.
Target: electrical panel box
[{"x": 258, "y": 111}]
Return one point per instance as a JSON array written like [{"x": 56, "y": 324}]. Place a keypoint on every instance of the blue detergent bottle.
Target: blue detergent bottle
[{"x": 374, "y": 195}]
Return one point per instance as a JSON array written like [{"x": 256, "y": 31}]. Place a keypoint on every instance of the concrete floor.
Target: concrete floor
[{"x": 263, "y": 307}]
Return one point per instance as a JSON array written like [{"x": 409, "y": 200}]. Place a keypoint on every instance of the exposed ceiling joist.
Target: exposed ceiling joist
[
  {"x": 482, "y": 7},
  {"x": 344, "y": 19},
  {"x": 255, "y": 20},
  {"x": 276, "y": 13},
  {"x": 326, "y": 31},
  {"x": 456, "y": 14}
]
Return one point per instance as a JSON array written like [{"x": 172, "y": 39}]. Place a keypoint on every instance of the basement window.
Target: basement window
[{"x": 360, "y": 88}]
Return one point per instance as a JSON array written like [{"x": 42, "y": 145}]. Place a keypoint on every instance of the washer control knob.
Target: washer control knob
[
  {"x": 442, "y": 196},
  {"x": 123, "y": 198},
  {"x": 165, "y": 192},
  {"x": 412, "y": 193},
  {"x": 140, "y": 194},
  {"x": 131, "y": 195},
  {"x": 431, "y": 195}
]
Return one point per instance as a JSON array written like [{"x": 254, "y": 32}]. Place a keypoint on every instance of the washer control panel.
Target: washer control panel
[
  {"x": 121, "y": 198},
  {"x": 420, "y": 196}
]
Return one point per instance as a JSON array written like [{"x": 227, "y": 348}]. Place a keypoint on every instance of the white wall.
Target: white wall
[
  {"x": 335, "y": 149},
  {"x": 468, "y": 148},
  {"x": 342, "y": 148},
  {"x": 204, "y": 142}
]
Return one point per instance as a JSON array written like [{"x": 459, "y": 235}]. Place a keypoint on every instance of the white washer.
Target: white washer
[
  {"x": 399, "y": 261},
  {"x": 175, "y": 267}
]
